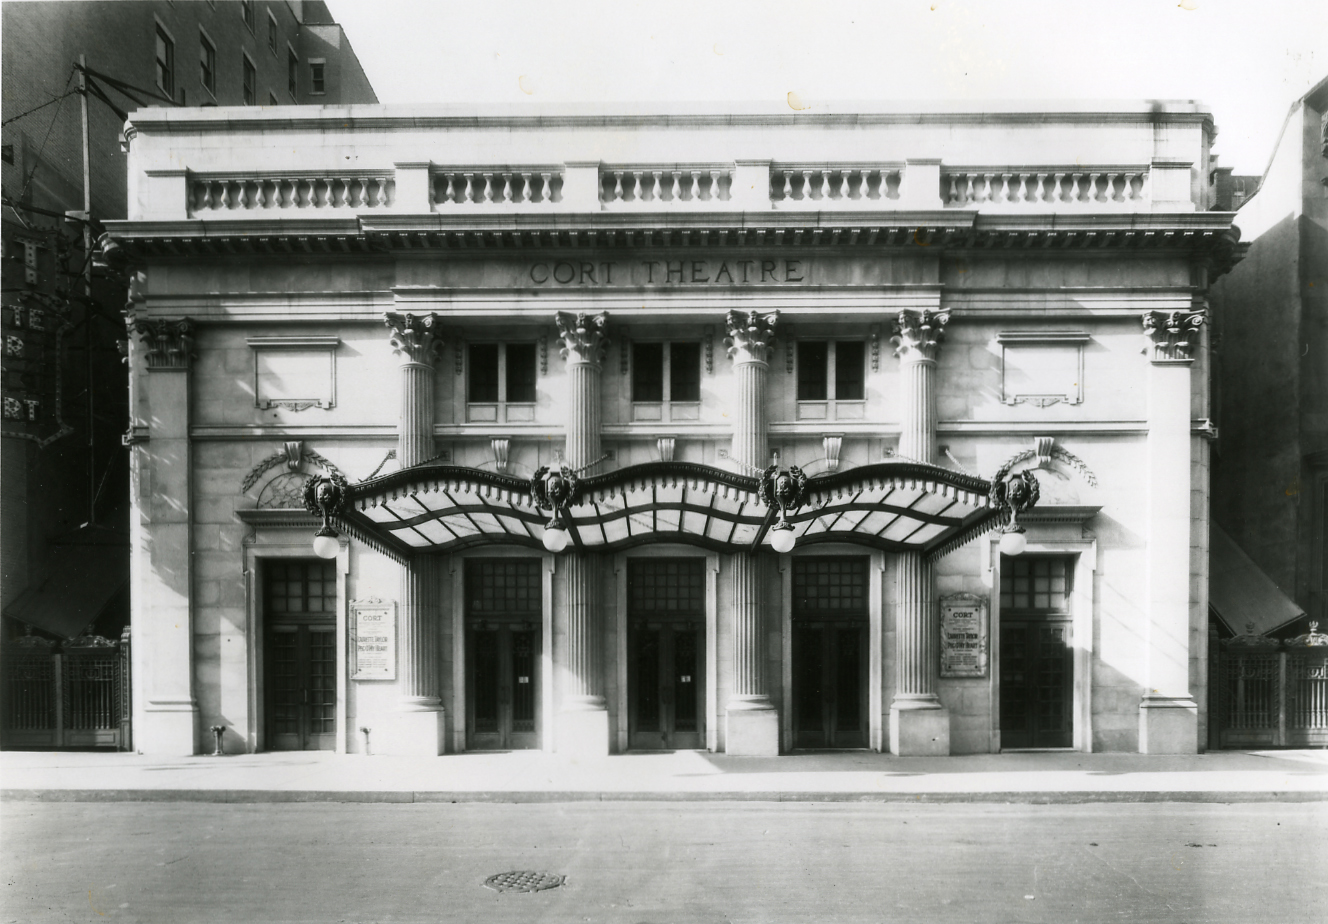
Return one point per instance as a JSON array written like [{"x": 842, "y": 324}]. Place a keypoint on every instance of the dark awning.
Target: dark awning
[
  {"x": 1245, "y": 598},
  {"x": 891, "y": 506},
  {"x": 79, "y": 581}
]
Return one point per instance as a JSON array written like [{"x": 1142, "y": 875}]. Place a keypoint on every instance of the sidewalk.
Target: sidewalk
[{"x": 532, "y": 776}]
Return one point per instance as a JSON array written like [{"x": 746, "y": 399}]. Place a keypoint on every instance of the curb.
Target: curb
[{"x": 251, "y": 796}]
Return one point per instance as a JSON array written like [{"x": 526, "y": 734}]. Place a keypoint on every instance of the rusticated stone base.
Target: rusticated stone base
[
  {"x": 919, "y": 732},
  {"x": 1168, "y": 726},
  {"x": 752, "y": 733}
]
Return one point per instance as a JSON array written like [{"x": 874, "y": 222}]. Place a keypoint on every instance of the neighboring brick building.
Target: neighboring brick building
[{"x": 64, "y": 466}]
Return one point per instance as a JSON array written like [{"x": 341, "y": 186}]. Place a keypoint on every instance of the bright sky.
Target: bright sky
[{"x": 1247, "y": 59}]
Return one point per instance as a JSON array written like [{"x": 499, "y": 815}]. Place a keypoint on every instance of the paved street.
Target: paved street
[{"x": 660, "y": 862}]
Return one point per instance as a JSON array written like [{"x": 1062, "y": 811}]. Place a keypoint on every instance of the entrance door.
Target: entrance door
[
  {"x": 829, "y": 652},
  {"x": 300, "y": 655},
  {"x": 1037, "y": 660},
  {"x": 829, "y": 685},
  {"x": 666, "y": 700},
  {"x": 504, "y": 607},
  {"x": 666, "y": 653},
  {"x": 503, "y": 686}
]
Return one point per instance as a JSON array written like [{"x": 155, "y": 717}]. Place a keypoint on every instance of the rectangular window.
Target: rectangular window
[
  {"x": 521, "y": 373},
  {"x": 647, "y": 372},
  {"x": 316, "y": 77},
  {"x": 666, "y": 381},
  {"x": 247, "y": 11},
  {"x": 1033, "y": 585},
  {"x": 831, "y": 379},
  {"x": 271, "y": 33},
  {"x": 500, "y": 382},
  {"x": 165, "y": 62},
  {"x": 504, "y": 587},
  {"x": 830, "y": 587},
  {"x": 292, "y": 72},
  {"x": 299, "y": 587},
  {"x": 250, "y": 82},
  {"x": 207, "y": 62}
]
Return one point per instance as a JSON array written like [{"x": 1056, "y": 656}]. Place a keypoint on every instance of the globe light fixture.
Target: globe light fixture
[
  {"x": 1013, "y": 543},
  {"x": 782, "y": 539},
  {"x": 555, "y": 537},
  {"x": 326, "y": 544}
]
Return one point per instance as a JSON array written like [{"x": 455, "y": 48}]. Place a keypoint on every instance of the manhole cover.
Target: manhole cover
[{"x": 524, "y": 880}]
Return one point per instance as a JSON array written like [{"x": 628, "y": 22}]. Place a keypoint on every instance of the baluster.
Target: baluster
[
  {"x": 823, "y": 177},
  {"x": 656, "y": 187},
  {"x": 954, "y": 188},
  {"x": 1127, "y": 192},
  {"x": 1041, "y": 194},
  {"x": 675, "y": 192},
  {"x": 846, "y": 185},
  {"x": 1004, "y": 193},
  {"x": 546, "y": 191},
  {"x": 1057, "y": 190},
  {"x": 488, "y": 186},
  {"x": 504, "y": 187},
  {"x": 617, "y": 187},
  {"x": 1093, "y": 188},
  {"x": 234, "y": 194},
  {"x": 1111, "y": 187},
  {"x": 468, "y": 182},
  {"x": 1076, "y": 188},
  {"x": 216, "y": 195},
  {"x": 788, "y": 184},
  {"x": 806, "y": 192},
  {"x": 527, "y": 179},
  {"x": 451, "y": 193},
  {"x": 634, "y": 185},
  {"x": 694, "y": 190},
  {"x": 714, "y": 186}
]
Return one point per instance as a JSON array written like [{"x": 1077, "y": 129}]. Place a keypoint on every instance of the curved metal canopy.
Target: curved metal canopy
[{"x": 891, "y": 505}]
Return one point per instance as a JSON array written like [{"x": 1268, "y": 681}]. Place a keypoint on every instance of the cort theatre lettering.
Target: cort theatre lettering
[{"x": 712, "y": 272}]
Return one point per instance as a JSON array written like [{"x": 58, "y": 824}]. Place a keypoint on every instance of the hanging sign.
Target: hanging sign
[
  {"x": 963, "y": 636},
  {"x": 374, "y": 624}
]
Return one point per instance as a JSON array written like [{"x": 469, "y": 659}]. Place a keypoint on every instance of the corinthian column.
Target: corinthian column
[
  {"x": 1168, "y": 715},
  {"x": 752, "y": 721},
  {"x": 919, "y": 724},
  {"x": 417, "y": 727},
  {"x": 583, "y": 718}
]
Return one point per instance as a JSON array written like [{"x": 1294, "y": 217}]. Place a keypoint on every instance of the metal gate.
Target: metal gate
[
  {"x": 73, "y": 694},
  {"x": 1268, "y": 693}
]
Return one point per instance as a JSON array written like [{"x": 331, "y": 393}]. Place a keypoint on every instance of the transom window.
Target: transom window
[
  {"x": 299, "y": 587},
  {"x": 830, "y": 586},
  {"x": 667, "y": 586},
  {"x": 165, "y": 62},
  {"x": 831, "y": 372},
  {"x": 504, "y": 587},
  {"x": 500, "y": 382},
  {"x": 1035, "y": 585},
  {"x": 666, "y": 381}
]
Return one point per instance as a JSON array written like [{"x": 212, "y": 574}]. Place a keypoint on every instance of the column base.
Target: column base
[
  {"x": 1168, "y": 725},
  {"x": 751, "y": 732},
  {"x": 582, "y": 733},
  {"x": 919, "y": 731},
  {"x": 169, "y": 730},
  {"x": 419, "y": 733}
]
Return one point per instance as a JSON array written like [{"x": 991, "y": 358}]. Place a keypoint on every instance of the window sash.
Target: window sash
[
  {"x": 250, "y": 83},
  {"x": 316, "y": 84},
  {"x": 165, "y": 62},
  {"x": 207, "y": 54},
  {"x": 813, "y": 368}
]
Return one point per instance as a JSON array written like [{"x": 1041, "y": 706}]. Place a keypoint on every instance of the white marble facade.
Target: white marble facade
[{"x": 964, "y": 292}]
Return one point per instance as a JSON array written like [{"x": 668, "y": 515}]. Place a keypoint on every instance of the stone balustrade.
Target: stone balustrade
[
  {"x": 666, "y": 186},
  {"x": 835, "y": 186},
  {"x": 453, "y": 187},
  {"x": 344, "y": 192},
  {"x": 1093, "y": 188}
]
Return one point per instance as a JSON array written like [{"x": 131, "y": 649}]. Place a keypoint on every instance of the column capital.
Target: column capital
[
  {"x": 416, "y": 337},
  {"x": 750, "y": 336},
  {"x": 583, "y": 338},
  {"x": 1172, "y": 335},
  {"x": 918, "y": 334},
  {"x": 168, "y": 342}
]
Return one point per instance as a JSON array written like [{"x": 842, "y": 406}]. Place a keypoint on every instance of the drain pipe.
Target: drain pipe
[{"x": 365, "y": 732}]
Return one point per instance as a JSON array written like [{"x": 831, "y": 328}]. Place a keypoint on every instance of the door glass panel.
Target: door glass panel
[
  {"x": 322, "y": 679},
  {"x": 486, "y": 680},
  {"x": 647, "y": 680},
  {"x": 807, "y": 677},
  {"x": 684, "y": 673},
  {"x": 523, "y": 680},
  {"x": 848, "y": 682},
  {"x": 284, "y": 693}
]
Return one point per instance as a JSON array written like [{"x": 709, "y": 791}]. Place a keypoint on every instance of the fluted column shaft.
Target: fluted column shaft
[
  {"x": 915, "y": 632},
  {"x": 917, "y": 408},
  {"x": 583, "y": 343},
  {"x": 749, "y": 342},
  {"x": 417, "y": 341}
]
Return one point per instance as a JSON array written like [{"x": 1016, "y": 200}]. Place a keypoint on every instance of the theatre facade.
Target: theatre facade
[{"x": 596, "y": 430}]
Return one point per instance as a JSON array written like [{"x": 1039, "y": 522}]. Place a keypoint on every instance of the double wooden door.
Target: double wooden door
[
  {"x": 1037, "y": 676},
  {"x": 666, "y": 693},
  {"x": 502, "y": 685},
  {"x": 829, "y": 684},
  {"x": 301, "y": 688}
]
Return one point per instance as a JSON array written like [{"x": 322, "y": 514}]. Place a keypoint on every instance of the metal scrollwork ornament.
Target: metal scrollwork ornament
[
  {"x": 1012, "y": 496},
  {"x": 554, "y": 489}
]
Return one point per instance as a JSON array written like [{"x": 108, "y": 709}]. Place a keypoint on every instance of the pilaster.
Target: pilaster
[
  {"x": 919, "y": 724},
  {"x": 752, "y": 720},
  {"x": 1168, "y": 715},
  {"x": 161, "y": 571},
  {"x": 583, "y": 718},
  {"x": 418, "y": 726}
]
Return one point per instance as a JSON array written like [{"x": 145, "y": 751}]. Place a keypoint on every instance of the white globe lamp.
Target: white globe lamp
[
  {"x": 782, "y": 539},
  {"x": 1013, "y": 543},
  {"x": 555, "y": 537},
  {"x": 326, "y": 546}
]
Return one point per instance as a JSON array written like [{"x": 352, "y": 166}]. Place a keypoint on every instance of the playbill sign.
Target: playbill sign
[
  {"x": 375, "y": 642},
  {"x": 963, "y": 636}
]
